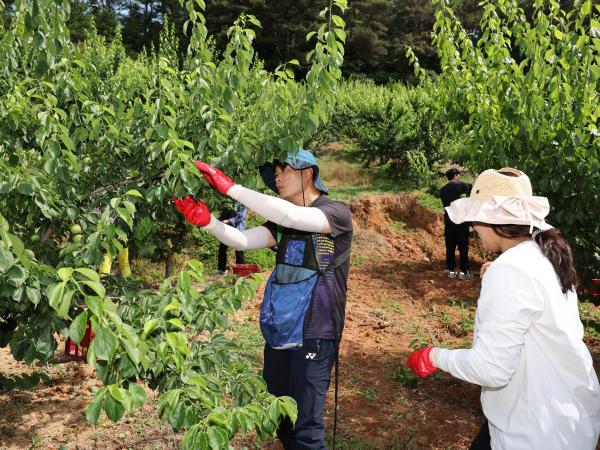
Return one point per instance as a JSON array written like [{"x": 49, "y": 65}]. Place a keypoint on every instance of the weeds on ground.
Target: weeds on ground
[
  {"x": 393, "y": 306},
  {"x": 590, "y": 319},
  {"x": 466, "y": 324},
  {"x": 418, "y": 343},
  {"x": 370, "y": 393},
  {"x": 401, "y": 375}
]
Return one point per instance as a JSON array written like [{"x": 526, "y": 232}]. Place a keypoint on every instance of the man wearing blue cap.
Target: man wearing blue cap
[{"x": 302, "y": 315}]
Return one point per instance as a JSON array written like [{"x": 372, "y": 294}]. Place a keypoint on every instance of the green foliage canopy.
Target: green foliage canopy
[
  {"x": 526, "y": 95},
  {"x": 95, "y": 142}
]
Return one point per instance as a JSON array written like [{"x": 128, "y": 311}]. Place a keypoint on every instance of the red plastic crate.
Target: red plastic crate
[
  {"x": 80, "y": 351},
  {"x": 593, "y": 291},
  {"x": 245, "y": 270}
]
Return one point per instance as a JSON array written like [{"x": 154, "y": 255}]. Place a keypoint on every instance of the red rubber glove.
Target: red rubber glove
[
  {"x": 420, "y": 362},
  {"x": 195, "y": 213},
  {"x": 215, "y": 177}
]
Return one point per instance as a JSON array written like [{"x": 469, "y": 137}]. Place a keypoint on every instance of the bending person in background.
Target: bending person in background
[
  {"x": 539, "y": 388},
  {"x": 455, "y": 234},
  {"x": 302, "y": 314},
  {"x": 236, "y": 218}
]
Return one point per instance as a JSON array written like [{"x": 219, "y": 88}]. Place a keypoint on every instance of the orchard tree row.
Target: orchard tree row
[
  {"x": 93, "y": 147},
  {"x": 526, "y": 94}
]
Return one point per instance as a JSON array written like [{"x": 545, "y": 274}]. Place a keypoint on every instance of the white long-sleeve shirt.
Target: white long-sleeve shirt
[{"x": 539, "y": 388}]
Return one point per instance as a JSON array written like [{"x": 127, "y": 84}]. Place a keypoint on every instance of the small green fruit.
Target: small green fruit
[
  {"x": 34, "y": 238},
  {"x": 75, "y": 229},
  {"x": 77, "y": 238}
]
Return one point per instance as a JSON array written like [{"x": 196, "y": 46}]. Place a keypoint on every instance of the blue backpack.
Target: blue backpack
[{"x": 290, "y": 288}]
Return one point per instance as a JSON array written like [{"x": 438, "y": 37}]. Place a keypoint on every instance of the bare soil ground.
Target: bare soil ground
[{"x": 398, "y": 293}]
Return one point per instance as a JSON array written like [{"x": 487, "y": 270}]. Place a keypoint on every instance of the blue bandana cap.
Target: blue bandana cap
[{"x": 301, "y": 160}]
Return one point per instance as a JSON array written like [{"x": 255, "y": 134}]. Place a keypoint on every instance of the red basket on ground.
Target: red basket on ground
[
  {"x": 245, "y": 270},
  {"x": 80, "y": 351}
]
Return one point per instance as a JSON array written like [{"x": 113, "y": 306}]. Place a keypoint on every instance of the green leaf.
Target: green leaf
[
  {"x": 25, "y": 188},
  {"x": 217, "y": 437},
  {"x": 126, "y": 368},
  {"x": 177, "y": 323},
  {"x": 288, "y": 406},
  {"x": 138, "y": 394},
  {"x": 586, "y": 8},
  {"x": 96, "y": 287},
  {"x": 218, "y": 418},
  {"x": 133, "y": 352},
  {"x": 149, "y": 327},
  {"x": 93, "y": 410},
  {"x": 558, "y": 34},
  {"x": 126, "y": 216},
  {"x": 117, "y": 393},
  {"x": 104, "y": 344},
  {"x": 134, "y": 192},
  {"x": 17, "y": 245},
  {"x": 192, "y": 440},
  {"x": 59, "y": 298},
  {"x": 68, "y": 142},
  {"x": 65, "y": 273},
  {"x": 6, "y": 260},
  {"x": 89, "y": 273},
  {"x": 338, "y": 21},
  {"x": 16, "y": 275},
  {"x": 33, "y": 295},
  {"x": 177, "y": 416},
  {"x": 95, "y": 304},
  {"x": 77, "y": 328},
  {"x": 113, "y": 408},
  {"x": 178, "y": 342},
  {"x": 174, "y": 305}
]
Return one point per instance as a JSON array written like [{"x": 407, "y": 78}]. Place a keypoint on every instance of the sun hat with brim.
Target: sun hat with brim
[
  {"x": 500, "y": 199},
  {"x": 301, "y": 160}
]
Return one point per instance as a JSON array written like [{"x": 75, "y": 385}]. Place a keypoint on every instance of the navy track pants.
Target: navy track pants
[{"x": 303, "y": 374}]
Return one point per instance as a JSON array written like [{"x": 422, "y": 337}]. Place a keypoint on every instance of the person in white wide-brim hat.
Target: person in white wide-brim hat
[{"x": 539, "y": 387}]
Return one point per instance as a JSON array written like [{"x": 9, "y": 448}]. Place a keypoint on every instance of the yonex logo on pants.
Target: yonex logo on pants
[{"x": 311, "y": 355}]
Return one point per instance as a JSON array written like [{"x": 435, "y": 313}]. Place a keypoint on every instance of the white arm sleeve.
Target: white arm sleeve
[
  {"x": 252, "y": 239},
  {"x": 505, "y": 312},
  {"x": 281, "y": 211}
]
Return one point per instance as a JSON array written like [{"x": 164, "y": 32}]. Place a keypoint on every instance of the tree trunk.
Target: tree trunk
[
  {"x": 48, "y": 232},
  {"x": 169, "y": 259}
]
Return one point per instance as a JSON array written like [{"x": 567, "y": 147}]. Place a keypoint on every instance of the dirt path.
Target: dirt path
[{"x": 397, "y": 293}]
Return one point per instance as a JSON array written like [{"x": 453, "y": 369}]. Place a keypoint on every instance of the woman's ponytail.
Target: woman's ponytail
[
  {"x": 553, "y": 247},
  {"x": 559, "y": 253}
]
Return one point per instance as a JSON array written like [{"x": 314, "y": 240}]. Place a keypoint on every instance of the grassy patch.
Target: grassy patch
[
  {"x": 430, "y": 201},
  {"x": 153, "y": 272},
  {"x": 250, "y": 340}
]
